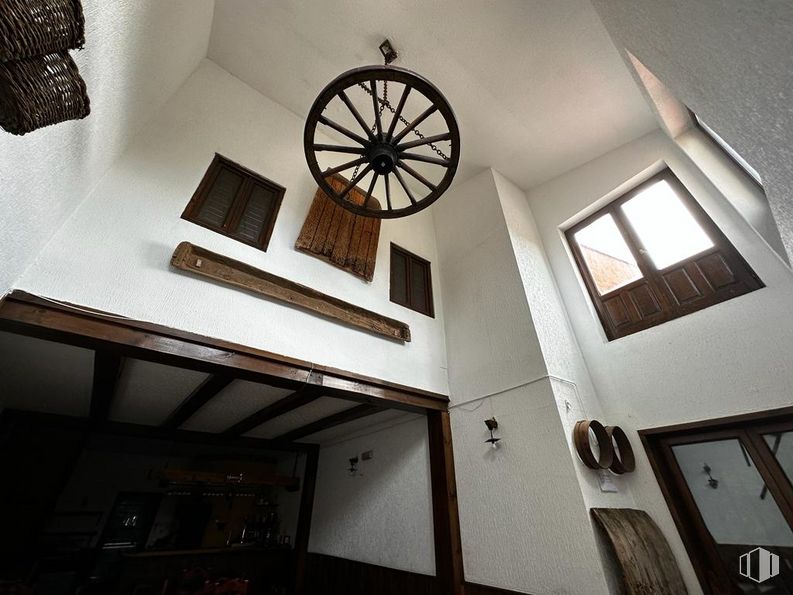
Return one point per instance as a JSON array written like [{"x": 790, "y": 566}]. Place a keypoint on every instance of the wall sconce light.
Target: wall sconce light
[
  {"x": 353, "y": 466},
  {"x": 712, "y": 482},
  {"x": 492, "y": 425}
]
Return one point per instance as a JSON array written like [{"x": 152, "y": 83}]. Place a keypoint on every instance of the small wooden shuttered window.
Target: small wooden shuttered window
[
  {"x": 654, "y": 255},
  {"x": 411, "y": 281},
  {"x": 236, "y": 202},
  {"x": 340, "y": 237}
]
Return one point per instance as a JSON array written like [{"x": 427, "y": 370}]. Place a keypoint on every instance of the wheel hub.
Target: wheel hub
[{"x": 383, "y": 158}]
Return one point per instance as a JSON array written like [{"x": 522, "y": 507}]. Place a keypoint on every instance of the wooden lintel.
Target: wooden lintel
[
  {"x": 29, "y": 315},
  {"x": 329, "y": 422},
  {"x": 194, "y": 259}
]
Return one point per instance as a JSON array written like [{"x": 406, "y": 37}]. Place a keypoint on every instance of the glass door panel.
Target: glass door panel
[{"x": 739, "y": 512}]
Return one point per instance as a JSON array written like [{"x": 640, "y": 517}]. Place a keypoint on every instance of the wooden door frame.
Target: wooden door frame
[
  {"x": 29, "y": 315},
  {"x": 657, "y": 444}
]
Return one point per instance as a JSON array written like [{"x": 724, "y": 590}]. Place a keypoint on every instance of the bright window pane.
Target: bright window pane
[
  {"x": 607, "y": 256},
  {"x": 665, "y": 226}
]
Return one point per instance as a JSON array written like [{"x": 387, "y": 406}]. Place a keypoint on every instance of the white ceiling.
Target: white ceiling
[
  {"x": 50, "y": 377},
  {"x": 537, "y": 86}
]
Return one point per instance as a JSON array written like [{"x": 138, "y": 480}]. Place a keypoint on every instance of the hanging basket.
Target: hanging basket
[
  {"x": 37, "y": 27},
  {"x": 41, "y": 91}
]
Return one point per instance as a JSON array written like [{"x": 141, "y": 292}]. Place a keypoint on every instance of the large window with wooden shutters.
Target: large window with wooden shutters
[
  {"x": 654, "y": 255},
  {"x": 236, "y": 202},
  {"x": 411, "y": 281}
]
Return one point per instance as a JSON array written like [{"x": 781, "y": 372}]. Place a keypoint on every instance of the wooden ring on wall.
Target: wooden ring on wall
[
  {"x": 584, "y": 447},
  {"x": 623, "y": 459}
]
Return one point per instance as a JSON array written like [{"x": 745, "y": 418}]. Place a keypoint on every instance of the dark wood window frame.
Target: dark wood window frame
[
  {"x": 412, "y": 260},
  {"x": 711, "y": 276},
  {"x": 748, "y": 430},
  {"x": 250, "y": 180}
]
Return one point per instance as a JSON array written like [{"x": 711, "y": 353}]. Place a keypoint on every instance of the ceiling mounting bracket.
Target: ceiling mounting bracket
[{"x": 388, "y": 51}]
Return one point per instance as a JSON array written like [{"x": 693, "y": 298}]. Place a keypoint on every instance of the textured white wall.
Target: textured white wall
[
  {"x": 382, "y": 515},
  {"x": 521, "y": 508},
  {"x": 730, "y": 62},
  {"x": 728, "y": 359},
  {"x": 137, "y": 53},
  {"x": 113, "y": 254}
]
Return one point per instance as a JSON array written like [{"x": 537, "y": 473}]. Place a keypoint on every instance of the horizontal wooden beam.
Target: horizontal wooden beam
[
  {"x": 29, "y": 315},
  {"x": 300, "y": 397},
  {"x": 329, "y": 422},
  {"x": 217, "y": 267},
  {"x": 197, "y": 399}
]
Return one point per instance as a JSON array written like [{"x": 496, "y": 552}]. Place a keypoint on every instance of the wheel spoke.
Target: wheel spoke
[
  {"x": 425, "y": 141},
  {"x": 358, "y": 139},
  {"x": 417, "y": 175},
  {"x": 398, "y": 113},
  {"x": 388, "y": 190},
  {"x": 340, "y": 149},
  {"x": 404, "y": 186},
  {"x": 427, "y": 113},
  {"x": 347, "y": 165},
  {"x": 356, "y": 114},
  {"x": 377, "y": 121},
  {"x": 425, "y": 159},
  {"x": 354, "y": 181},
  {"x": 371, "y": 188}
]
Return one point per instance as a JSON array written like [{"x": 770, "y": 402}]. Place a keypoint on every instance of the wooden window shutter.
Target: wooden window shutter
[{"x": 336, "y": 235}]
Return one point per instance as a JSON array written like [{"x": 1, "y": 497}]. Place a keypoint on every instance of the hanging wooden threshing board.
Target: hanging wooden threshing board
[
  {"x": 201, "y": 261},
  {"x": 642, "y": 552}
]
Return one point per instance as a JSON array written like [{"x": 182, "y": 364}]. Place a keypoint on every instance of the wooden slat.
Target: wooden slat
[
  {"x": 200, "y": 261},
  {"x": 331, "y": 421},
  {"x": 644, "y": 557},
  {"x": 445, "y": 513},
  {"x": 219, "y": 478},
  {"x": 29, "y": 315},
  {"x": 107, "y": 370},
  {"x": 338, "y": 236},
  {"x": 197, "y": 399},
  {"x": 300, "y": 397}
]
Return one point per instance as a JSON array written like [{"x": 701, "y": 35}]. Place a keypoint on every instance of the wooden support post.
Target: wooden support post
[
  {"x": 304, "y": 520},
  {"x": 107, "y": 369},
  {"x": 445, "y": 516}
]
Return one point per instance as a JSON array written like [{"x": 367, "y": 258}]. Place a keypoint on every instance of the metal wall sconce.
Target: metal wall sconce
[
  {"x": 353, "y": 466},
  {"x": 492, "y": 425},
  {"x": 712, "y": 482}
]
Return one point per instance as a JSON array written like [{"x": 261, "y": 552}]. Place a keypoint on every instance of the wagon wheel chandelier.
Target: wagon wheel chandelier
[{"x": 413, "y": 169}]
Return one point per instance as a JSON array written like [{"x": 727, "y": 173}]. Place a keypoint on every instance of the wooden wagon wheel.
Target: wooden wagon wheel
[{"x": 385, "y": 145}]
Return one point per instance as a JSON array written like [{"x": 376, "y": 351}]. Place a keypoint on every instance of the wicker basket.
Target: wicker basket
[
  {"x": 36, "y": 27},
  {"x": 38, "y": 92}
]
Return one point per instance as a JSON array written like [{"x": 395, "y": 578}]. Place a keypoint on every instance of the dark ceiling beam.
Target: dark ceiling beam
[
  {"x": 302, "y": 396},
  {"x": 197, "y": 399},
  {"x": 331, "y": 421},
  {"x": 107, "y": 370}
]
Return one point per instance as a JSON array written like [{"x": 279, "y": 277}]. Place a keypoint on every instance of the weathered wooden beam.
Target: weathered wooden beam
[
  {"x": 107, "y": 370},
  {"x": 200, "y": 261},
  {"x": 329, "y": 422},
  {"x": 197, "y": 399},
  {"x": 300, "y": 397}
]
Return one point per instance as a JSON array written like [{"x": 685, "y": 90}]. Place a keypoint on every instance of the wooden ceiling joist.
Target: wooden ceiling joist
[
  {"x": 29, "y": 315},
  {"x": 331, "y": 421},
  {"x": 107, "y": 370},
  {"x": 300, "y": 397},
  {"x": 197, "y": 399}
]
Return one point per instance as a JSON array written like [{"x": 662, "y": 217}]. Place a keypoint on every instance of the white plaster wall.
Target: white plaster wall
[
  {"x": 521, "y": 507},
  {"x": 728, "y": 359},
  {"x": 383, "y": 514},
  {"x": 730, "y": 62},
  {"x": 113, "y": 253},
  {"x": 137, "y": 53}
]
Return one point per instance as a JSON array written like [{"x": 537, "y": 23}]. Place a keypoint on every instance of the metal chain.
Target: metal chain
[
  {"x": 379, "y": 115},
  {"x": 385, "y": 103}
]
